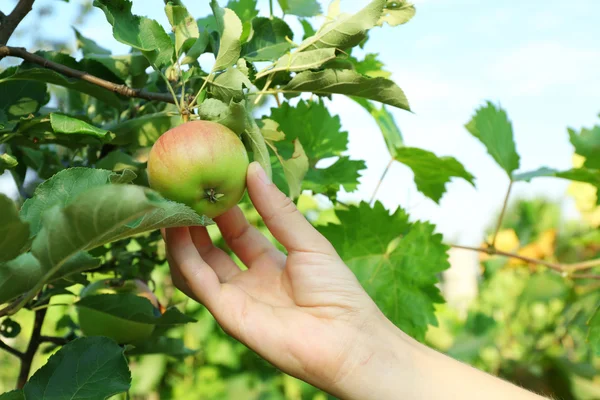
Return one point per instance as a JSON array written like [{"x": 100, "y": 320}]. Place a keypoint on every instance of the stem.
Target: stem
[
  {"x": 269, "y": 81},
  {"x": 193, "y": 102},
  {"x": 32, "y": 348},
  {"x": 271, "y": 8},
  {"x": 385, "y": 171},
  {"x": 561, "y": 268},
  {"x": 123, "y": 90},
  {"x": 59, "y": 341},
  {"x": 169, "y": 86},
  {"x": 501, "y": 217},
  {"x": 11, "y": 350},
  {"x": 12, "y": 20}
]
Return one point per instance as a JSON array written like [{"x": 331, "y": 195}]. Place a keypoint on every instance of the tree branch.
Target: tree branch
[
  {"x": 12, "y": 20},
  {"x": 59, "y": 341},
  {"x": 34, "y": 344},
  {"x": 123, "y": 90},
  {"x": 11, "y": 350},
  {"x": 561, "y": 268}
]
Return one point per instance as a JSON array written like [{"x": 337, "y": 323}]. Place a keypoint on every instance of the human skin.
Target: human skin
[{"x": 306, "y": 313}]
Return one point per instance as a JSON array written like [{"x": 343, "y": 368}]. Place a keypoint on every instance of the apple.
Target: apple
[
  {"x": 201, "y": 164},
  {"x": 122, "y": 331}
]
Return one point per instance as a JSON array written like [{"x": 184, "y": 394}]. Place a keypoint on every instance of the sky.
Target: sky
[{"x": 538, "y": 59}]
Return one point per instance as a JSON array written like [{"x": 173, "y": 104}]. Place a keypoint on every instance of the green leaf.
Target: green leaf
[
  {"x": 257, "y": 143},
  {"x": 294, "y": 169},
  {"x": 528, "y": 176},
  {"x": 123, "y": 66},
  {"x": 173, "y": 347},
  {"x": 269, "y": 40},
  {"x": 244, "y": 9},
  {"x": 197, "y": 48},
  {"x": 13, "y": 395},
  {"x": 88, "y": 46},
  {"x": 270, "y": 130},
  {"x": 431, "y": 172},
  {"x": 328, "y": 181},
  {"x": 296, "y": 62},
  {"x": 232, "y": 116},
  {"x": 300, "y": 8},
  {"x": 385, "y": 120},
  {"x": 370, "y": 66},
  {"x": 593, "y": 337},
  {"x": 14, "y": 233},
  {"x": 397, "y": 12},
  {"x": 396, "y": 261},
  {"x": 349, "y": 83},
  {"x": 585, "y": 175},
  {"x": 230, "y": 29},
  {"x": 308, "y": 29},
  {"x": 118, "y": 160},
  {"x": 491, "y": 126},
  {"x": 7, "y": 162},
  {"x": 141, "y": 33},
  {"x": 184, "y": 26},
  {"x": 86, "y": 368},
  {"x": 68, "y": 125},
  {"x": 587, "y": 144},
  {"x": 229, "y": 85},
  {"x": 145, "y": 130},
  {"x": 19, "y": 99},
  {"x": 347, "y": 30}
]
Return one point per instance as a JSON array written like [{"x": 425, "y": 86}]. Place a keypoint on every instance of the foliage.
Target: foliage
[{"x": 89, "y": 211}]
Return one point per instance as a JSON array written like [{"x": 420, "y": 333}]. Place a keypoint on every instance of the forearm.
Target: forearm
[{"x": 398, "y": 367}]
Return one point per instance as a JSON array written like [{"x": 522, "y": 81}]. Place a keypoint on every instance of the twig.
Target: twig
[
  {"x": 12, "y": 20},
  {"x": 60, "y": 341},
  {"x": 385, "y": 171},
  {"x": 501, "y": 217},
  {"x": 561, "y": 268},
  {"x": 271, "y": 8},
  {"x": 32, "y": 348},
  {"x": 11, "y": 350},
  {"x": 123, "y": 90}
]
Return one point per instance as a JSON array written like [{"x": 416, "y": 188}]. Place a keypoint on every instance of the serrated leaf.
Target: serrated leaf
[
  {"x": 229, "y": 86},
  {"x": 296, "y": 62},
  {"x": 385, "y": 120},
  {"x": 145, "y": 130},
  {"x": 86, "y": 368},
  {"x": 68, "y": 125},
  {"x": 184, "y": 26},
  {"x": 593, "y": 337},
  {"x": 14, "y": 233},
  {"x": 431, "y": 172},
  {"x": 347, "y": 30},
  {"x": 308, "y": 29},
  {"x": 173, "y": 347},
  {"x": 133, "y": 308},
  {"x": 7, "y": 162},
  {"x": 126, "y": 176},
  {"x": 343, "y": 173},
  {"x": 270, "y": 130},
  {"x": 491, "y": 126},
  {"x": 294, "y": 169},
  {"x": 370, "y": 66},
  {"x": 21, "y": 98},
  {"x": 349, "y": 83},
  {"x": 257, "y": 143},
  {"x": 300, "y": 8},
  {"x": 197, "y": 48},
  {"x": 401, "y": 279},
  {"x": 88, "y": 46},
  {"x": 587, "y": 144},
  {"x": 141, "y": 33},
  {"x": 269, "y": 40},
  {"x": 232, "y": 116},
  {"x": 230, "y": 31},
  {"x": 244, "y": 9},
  {"x": 397, "y": 12}
]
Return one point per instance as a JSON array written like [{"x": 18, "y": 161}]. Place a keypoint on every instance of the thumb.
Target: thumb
[{"x": 281, "y": 216}]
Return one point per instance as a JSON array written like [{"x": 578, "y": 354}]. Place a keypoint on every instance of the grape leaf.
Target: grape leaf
[
  {"x": 295, "y": 62},
  {"x": 585, "y": 175},
  {"x": 587, "y": 144},
  {"x": 397, "y": 12},
  {"x": 141, "y": 33},
  {"x": 184, "y": 26},
  {"x": 14, "y": 233},
  {"x": 269, "y": 40},
  {"x": 300, "y": 8},
  {"x": 396, "y": 261},
  {"x": 349, "y": 83},
  {"x": 593, "y": 337},
  {"x": 88, "y": 46},
  {"x": 7, "y": 162},
  {"x": 230, "y": 29},
  {"x": 344, "y": 172},
  {"x": 86, "y": 368},
  {"x": 491, "y": 126},
  {"x": 232, "y": 116},
  {"x": 431, "y": 172}
]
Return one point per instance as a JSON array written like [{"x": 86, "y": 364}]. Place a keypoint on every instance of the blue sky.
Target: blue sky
[{"x": 538, "y": 58}]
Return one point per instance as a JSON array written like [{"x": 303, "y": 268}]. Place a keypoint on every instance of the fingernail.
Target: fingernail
[{"x": 261, "y": 174}]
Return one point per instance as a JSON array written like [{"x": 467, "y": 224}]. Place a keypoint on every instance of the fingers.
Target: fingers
[
  {"x": 219, "y": 261},
  {"x": 282, "y": 217},
  {"x": 195, "y": 273},
  {"x": 245, "y": 240}
]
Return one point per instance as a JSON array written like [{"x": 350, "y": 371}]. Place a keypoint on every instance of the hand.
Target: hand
[{"x": 305, "y": 312}]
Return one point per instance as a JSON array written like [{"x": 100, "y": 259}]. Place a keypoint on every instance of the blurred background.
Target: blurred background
[{"x": 540, "y": 60}]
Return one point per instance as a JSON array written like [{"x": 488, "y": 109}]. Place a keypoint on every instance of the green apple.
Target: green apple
[
  {"x": 122, "y": 331},
  {"x": 201, "y": 164}
]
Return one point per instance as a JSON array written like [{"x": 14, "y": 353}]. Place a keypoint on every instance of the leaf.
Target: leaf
[
  {"x": 385, "y": 120},
  {"x": 585, "y": 175},
  {"x": 397, "y": 12},
  {"x": 14, "y": 233},
  {"x": 141, "y": 33},
  {"x": 7, "y": 162},
  {"x": 118, "y": 160},
  {"x": 294, "y": 169},
  {"x": 86, "y": 368},
  {"x": 230, "y": 29},
  {"x": 270, "y": 130},
  {"x": 528, "y": 176},
  {"x": 349, "y": 83},
  {"x": 300, "y": 8},
  {"x": 19, "y": 99},
  {"x": 133, "y": 308},
  {"x": 343, "y": 173},
  {"x": 491, "y": 126},
  {"x": 13, "y": 395},
  {"x": 269, "y": 40},
  {"x": 257, "y": 144},
  {"x": 295, "y": 62},
  {"x": 123, "y": 66},
  {"x": 396, "y": 261},
  {"x": 593, "y": 337},
  {"x": 88, "y": 46},
  {"x": 232, "y": 116},
  {"x": 244, "y": 9},
  {"x": 68, "y": 125},
  {"x": 432, "y": 172},
  {"x": 370, "y": 66},
  {"x": 587, "y": 144},
  {"x": 184, "y": 26},
  {"x": 229, "y": 85},
  {"x": 197, "y": 48},
  {"x": 308, "y": 29},
  {"x": 347, "y": 30},
  {"x": 145, "y": 130},
  {"x": 173, "y": 347}
]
